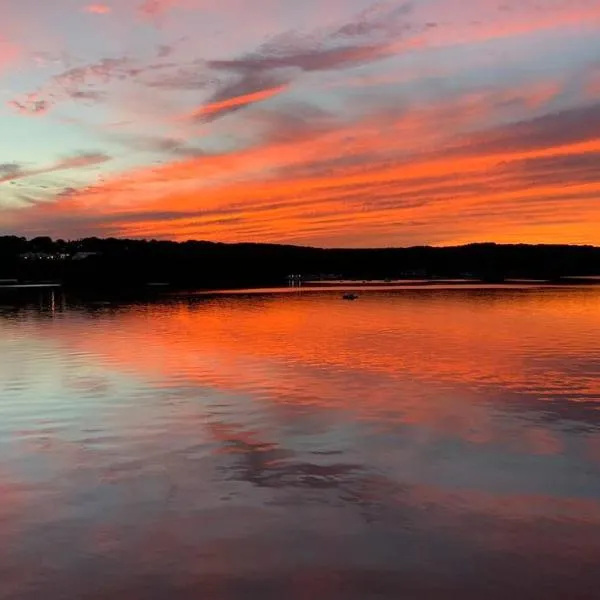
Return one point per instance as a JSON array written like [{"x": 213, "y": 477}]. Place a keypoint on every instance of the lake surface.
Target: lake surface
[{"x": 425, "y": 443}]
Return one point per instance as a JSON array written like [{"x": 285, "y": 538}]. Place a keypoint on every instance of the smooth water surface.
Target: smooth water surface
[{"x": 426, "y": 443}]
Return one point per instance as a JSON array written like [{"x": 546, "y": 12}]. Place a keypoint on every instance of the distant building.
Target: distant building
[
  {"x": 37, "y": 256},
  {"x": 44, "y": 256}
]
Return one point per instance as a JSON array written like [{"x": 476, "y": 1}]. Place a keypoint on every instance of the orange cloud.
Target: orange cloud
[
  {"x": 215, "y": 108},
  {"x": 98, "y": 9},
  {"x": 398, "y": 177},
  {"x": 310, "y": 162}
]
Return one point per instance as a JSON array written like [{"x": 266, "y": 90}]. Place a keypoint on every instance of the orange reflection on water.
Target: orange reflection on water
[
  {"x": 237, "y": 446},
  {"x": 430, "y": 358}
]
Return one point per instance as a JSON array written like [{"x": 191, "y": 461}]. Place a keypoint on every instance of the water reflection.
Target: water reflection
[{"x": 422, "y": 443}]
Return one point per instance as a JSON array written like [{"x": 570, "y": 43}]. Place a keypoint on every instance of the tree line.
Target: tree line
[{"x": 124, "y": 263}]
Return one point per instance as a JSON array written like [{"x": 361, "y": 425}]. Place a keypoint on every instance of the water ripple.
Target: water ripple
[{"x": 426, "y": 444}]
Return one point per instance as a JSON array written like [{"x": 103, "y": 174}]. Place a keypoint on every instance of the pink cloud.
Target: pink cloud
[
  {"x": 31, "y": 104},
  {"x": 76, "y": 84},
  {"x": 154, "y": 9},
  {"x": 303, "y": 127},
  {"x": 8, "y": 52},
  {"x": 464, "y": 23},
  {"x": 98, "y": 9}
]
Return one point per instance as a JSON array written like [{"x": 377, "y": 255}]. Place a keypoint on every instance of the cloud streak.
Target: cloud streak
[
  {"x": 496, "y": 178},
  {"x": 12, "y": 171}
]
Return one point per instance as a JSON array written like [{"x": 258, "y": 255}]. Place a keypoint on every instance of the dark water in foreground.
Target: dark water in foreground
[{"x": 412, "y": 444}]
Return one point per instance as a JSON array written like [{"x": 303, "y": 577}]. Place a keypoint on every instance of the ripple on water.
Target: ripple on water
[{"x": 413, "y": 444}]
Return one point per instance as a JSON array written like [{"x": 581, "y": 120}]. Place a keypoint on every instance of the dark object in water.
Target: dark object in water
[{"x": 350, "y": 296}]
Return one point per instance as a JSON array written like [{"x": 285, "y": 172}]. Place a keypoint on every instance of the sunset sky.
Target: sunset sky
[{"x": 317, "y": 122}]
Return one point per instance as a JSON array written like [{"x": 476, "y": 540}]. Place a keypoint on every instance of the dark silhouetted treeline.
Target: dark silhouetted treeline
[{"x": 119, "y": 264}]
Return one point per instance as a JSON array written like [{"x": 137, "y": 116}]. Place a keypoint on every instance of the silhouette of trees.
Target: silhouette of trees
[{"x": 122, "y": 263}]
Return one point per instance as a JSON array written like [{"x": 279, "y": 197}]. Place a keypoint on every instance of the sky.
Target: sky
[{"x": 346, "y": 123}]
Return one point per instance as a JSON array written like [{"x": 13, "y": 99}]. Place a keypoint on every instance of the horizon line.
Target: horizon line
[{"x": 285, "y": 245}]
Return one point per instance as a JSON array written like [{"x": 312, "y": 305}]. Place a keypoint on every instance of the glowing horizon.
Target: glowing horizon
[{"x": 361, "y": 123}]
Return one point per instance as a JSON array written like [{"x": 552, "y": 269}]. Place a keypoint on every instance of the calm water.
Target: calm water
[{"x": 412, "y": 444}]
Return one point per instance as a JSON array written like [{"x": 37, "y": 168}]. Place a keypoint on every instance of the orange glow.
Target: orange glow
[
  {"x": 237, "y": 421},
  {"x": 369, "y": 126},
  {"x": 279, "y": 191},
  {"x": 200, "y": 345}
]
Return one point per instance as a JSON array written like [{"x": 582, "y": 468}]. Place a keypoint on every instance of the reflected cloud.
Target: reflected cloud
[{"x": 408, "y": 441}]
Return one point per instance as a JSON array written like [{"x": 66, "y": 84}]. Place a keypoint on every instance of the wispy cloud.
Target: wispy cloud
[
  {"x": 240, "y": 81},
  {"x": 30, "y": 104},
  {"x": 274, "y": 65},
  {"x": 9, "y": 171},
  {"x": 493, "y": 179},
  {"x": 14, "y": 171},
  {"x": 211, "y": 111}
]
